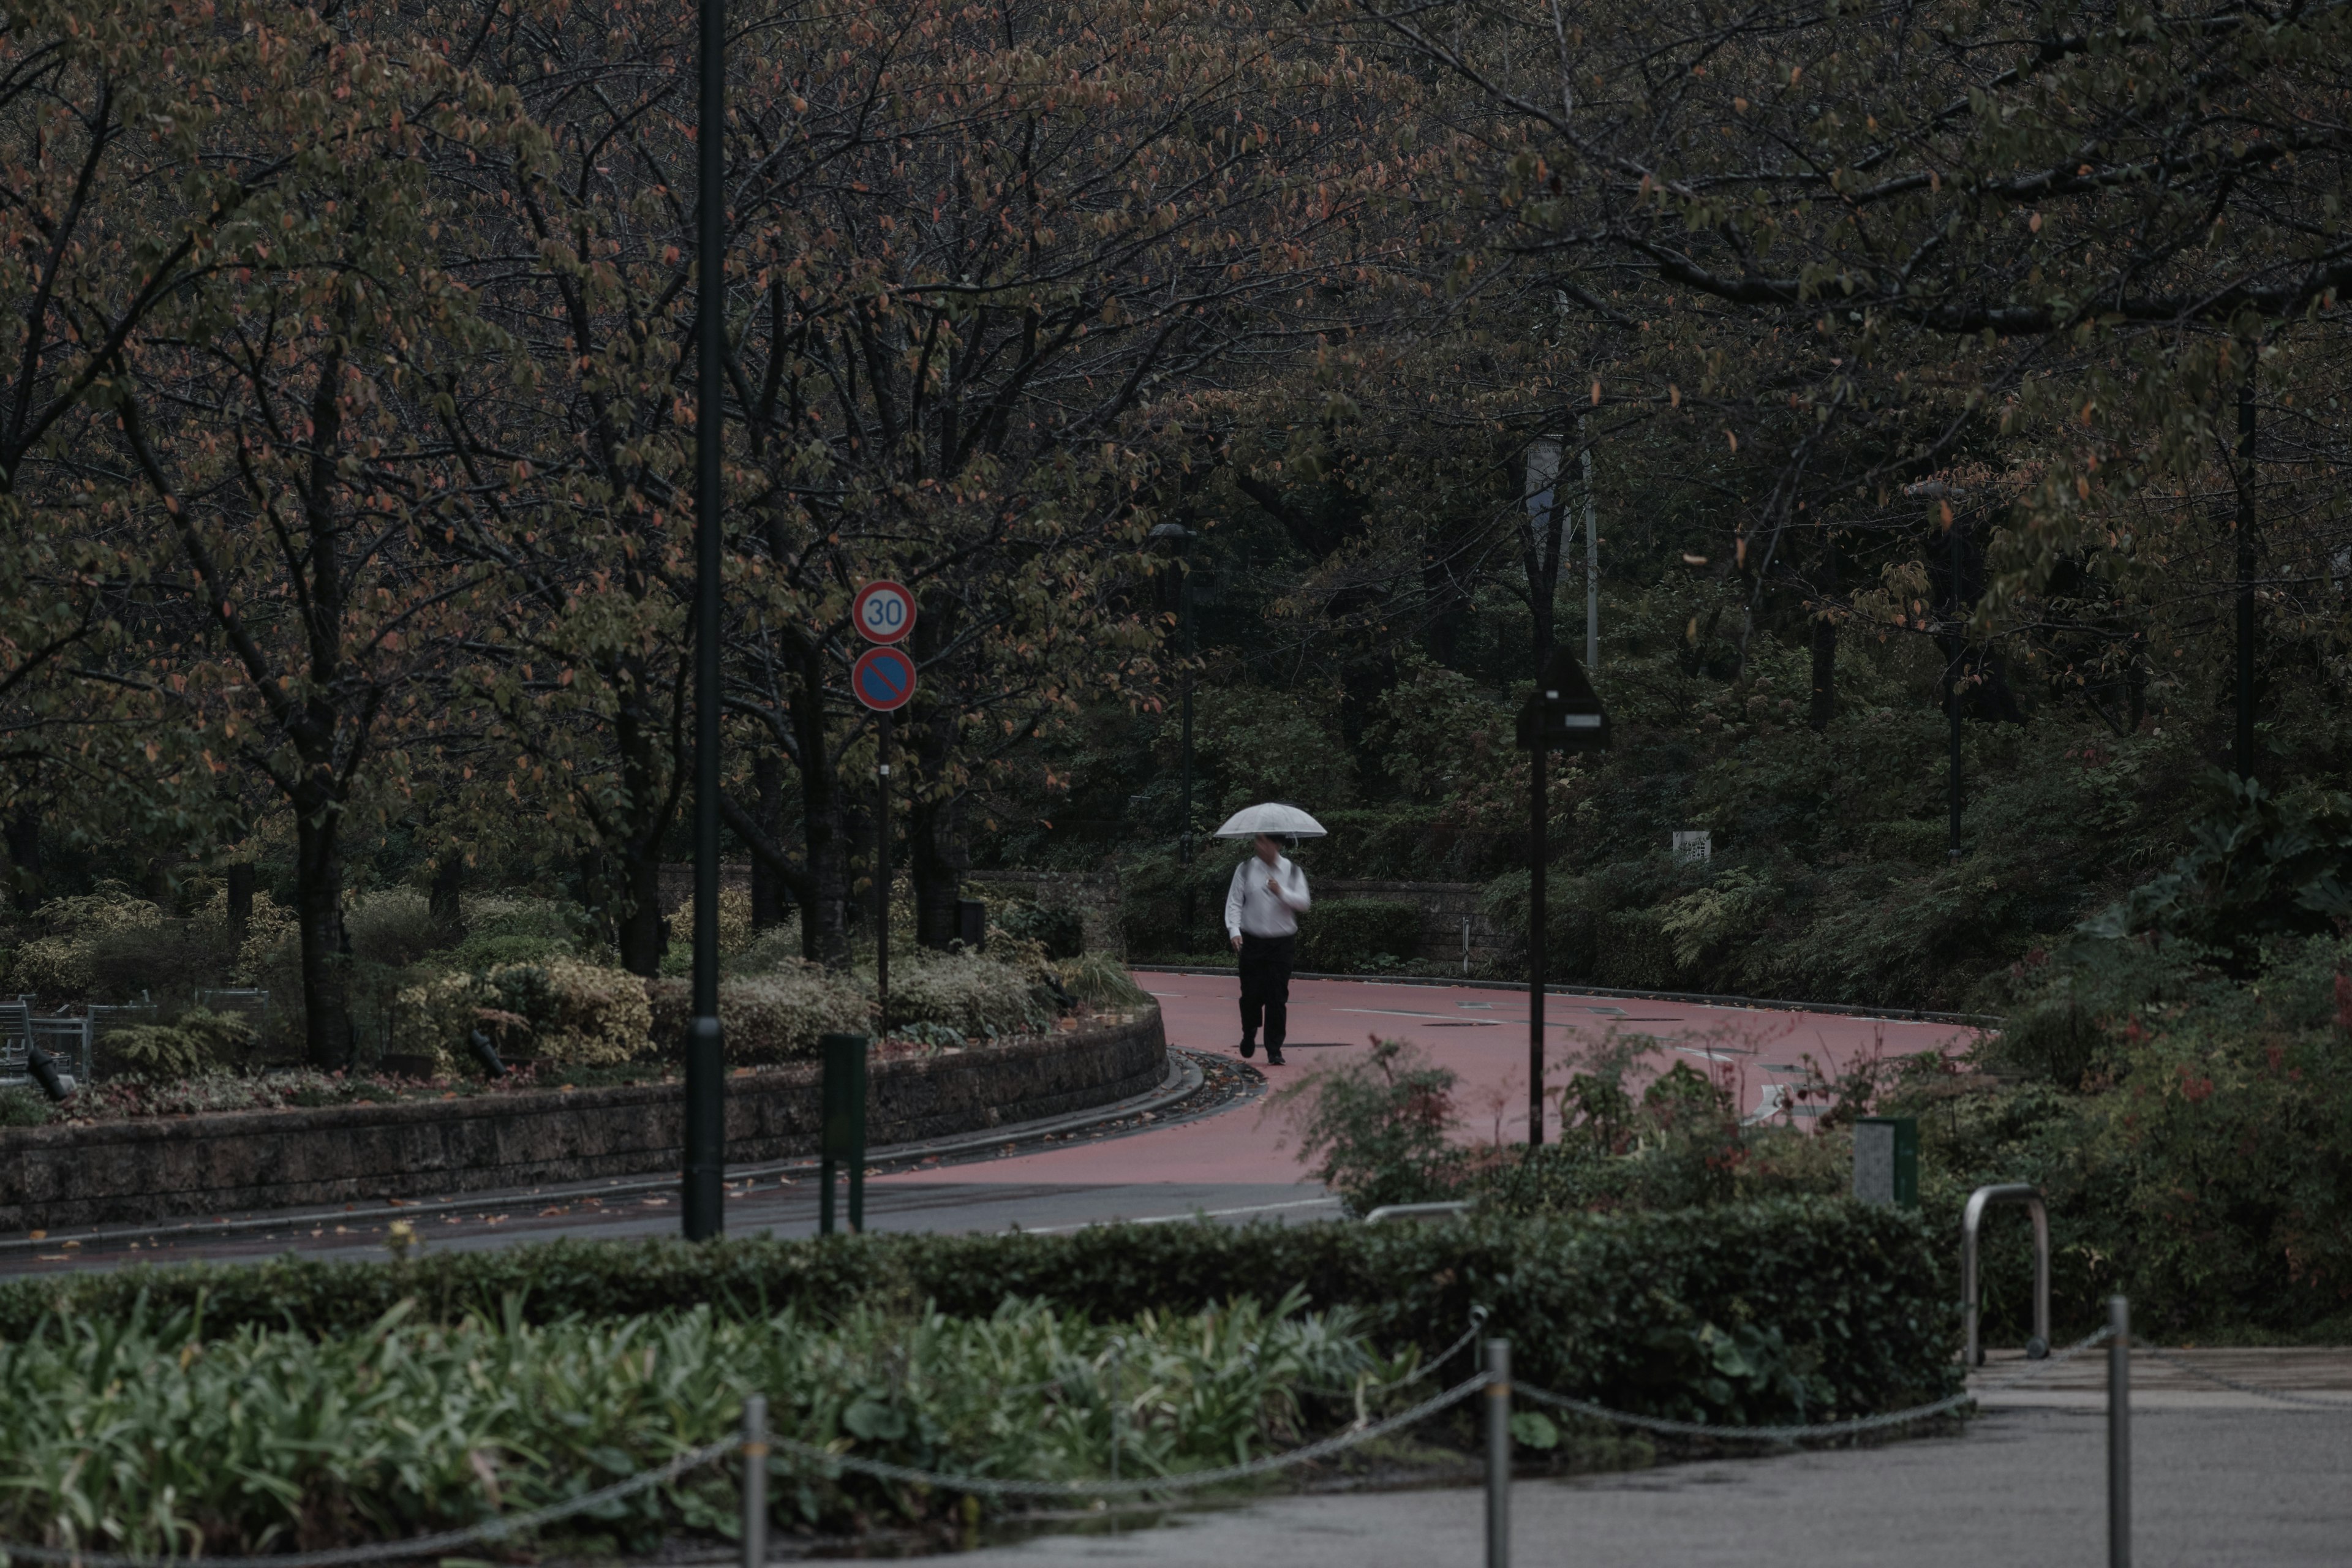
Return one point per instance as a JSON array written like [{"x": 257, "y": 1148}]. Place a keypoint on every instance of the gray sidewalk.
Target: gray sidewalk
[{"x": 2021, "y": 1488}]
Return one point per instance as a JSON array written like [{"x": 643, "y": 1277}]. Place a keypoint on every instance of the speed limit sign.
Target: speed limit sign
[{"x": 884, "y": 611}]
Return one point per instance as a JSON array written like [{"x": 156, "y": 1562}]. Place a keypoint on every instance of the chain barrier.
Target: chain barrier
[
  {"x": 440, "y": 1544},
  {"x": 393, "y": 1550},
  {"x": 1796, "y": 1432},
  {"x": 2303, "y": 1400},
  {"x": 1191, "y": 1480},
  {"x": 836, "y": 1464}
]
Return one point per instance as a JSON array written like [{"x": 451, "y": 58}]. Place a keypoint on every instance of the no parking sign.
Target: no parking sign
[{"x": 883, "y": 678}]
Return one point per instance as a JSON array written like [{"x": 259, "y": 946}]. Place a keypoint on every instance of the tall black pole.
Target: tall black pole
[
  {"x": 1184, "y": 822},
  {"x": 706, "y": 1129},
  {"x": 1538, "y": 853},
  {"x": 2242, "y": 753},
  {"x": 882, "y": 883},
  {"x": 1952, "y": 684}
]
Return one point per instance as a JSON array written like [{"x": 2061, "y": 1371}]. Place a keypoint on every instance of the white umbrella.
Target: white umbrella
[{"x": 1270, "y": 816}]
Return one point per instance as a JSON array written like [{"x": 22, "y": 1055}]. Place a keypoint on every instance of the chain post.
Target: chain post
[
  {"x": 1118, "y": 1411},
  {"x": 2119, "y": 1433},
  {"x": 755, "y": 1481},
  {"x": 1498, "y": 1454}
]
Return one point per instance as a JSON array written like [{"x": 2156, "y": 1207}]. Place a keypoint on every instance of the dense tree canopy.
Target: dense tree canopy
[{"x": 1901, "y": 355}]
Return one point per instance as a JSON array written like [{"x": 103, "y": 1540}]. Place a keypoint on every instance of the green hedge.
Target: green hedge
[
  {"x": 1746, "y": 1313},
  {"x": 1344, "y": 934}
]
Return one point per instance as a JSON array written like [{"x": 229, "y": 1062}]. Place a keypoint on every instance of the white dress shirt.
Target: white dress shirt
[{"x": 1251, "y": 910}]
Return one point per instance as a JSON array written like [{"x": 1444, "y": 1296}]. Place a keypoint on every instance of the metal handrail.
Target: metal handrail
[
  {"x": 1412, "y": 1211},
  {"x": 1972, "y": 1219}
]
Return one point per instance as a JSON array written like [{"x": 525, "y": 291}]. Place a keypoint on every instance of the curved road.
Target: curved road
[{"x": 1235, "y": 1163}]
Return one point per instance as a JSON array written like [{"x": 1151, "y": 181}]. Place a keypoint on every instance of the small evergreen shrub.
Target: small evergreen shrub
[
  {"x": 1342, "y": 935},
  {"x": 1057, "y": 927},
  {"x": 768, "y": 1018},
  {"x": 198, "y": 1042},
  {"x": 560, "y": 1011}
]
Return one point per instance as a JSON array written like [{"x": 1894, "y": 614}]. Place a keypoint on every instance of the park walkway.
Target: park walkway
[{"x": 2221, "y": 1477}]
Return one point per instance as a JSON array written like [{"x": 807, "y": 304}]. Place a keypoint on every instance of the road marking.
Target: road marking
[
  {"x": 1390, "y": 1012},
  {"x": 1179, "y": 1218}
]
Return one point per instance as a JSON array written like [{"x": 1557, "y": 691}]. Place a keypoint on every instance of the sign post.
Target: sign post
[
  {"x": 883, "y": 679},
  {"x": 1562, "y": 715}
]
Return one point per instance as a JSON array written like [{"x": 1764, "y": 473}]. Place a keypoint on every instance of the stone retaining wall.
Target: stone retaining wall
[{"x": 56, "y": 1176}]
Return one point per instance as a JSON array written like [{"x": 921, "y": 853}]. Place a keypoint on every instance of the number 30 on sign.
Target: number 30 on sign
[{"x": 884, "y": 611}]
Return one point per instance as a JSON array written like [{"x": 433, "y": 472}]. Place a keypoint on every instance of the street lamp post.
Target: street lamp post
[
  {"x": 1561, "y": 715},
  {"x": 702, "y": 1200}
]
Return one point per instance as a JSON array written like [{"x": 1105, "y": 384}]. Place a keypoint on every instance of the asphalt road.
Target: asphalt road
[{"x": 1237, "y": 1162}]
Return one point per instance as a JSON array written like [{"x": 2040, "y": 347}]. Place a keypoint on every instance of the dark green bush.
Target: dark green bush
[
  {"x": 1852, "y": 1305},
  {"x": 1376, "y": 1129},
  {"x": 1342, "y": 935},
  {"x": 1151, "y": 889},
  {"x": 1059, "y": 927},
  {"x": 169, "y": 962},
  {"x": 1619, "y": 1307}
]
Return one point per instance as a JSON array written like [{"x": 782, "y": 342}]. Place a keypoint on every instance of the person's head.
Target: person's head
[{"x": 1269, "y": 848}]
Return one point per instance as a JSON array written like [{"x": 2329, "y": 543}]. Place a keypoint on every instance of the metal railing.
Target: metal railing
[
  {"x": 1971, "y": 1306},
  {"x": 1414, "y": 1210}
]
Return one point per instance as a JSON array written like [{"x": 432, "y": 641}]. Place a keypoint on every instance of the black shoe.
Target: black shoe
[
  {"x": 1272, "y": 1057},
  {"x": 1249, "y": 1049}
]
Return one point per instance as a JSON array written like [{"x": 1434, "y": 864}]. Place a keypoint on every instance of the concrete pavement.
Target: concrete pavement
[{"x": 2019, "y": 1488}]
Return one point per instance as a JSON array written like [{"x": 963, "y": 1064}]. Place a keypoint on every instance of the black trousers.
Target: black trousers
[{"x": 1265, "y": 986}]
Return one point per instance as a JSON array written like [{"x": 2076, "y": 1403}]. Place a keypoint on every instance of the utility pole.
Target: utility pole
[
  {"x": 2242, "y": 753},
  {"x": 1591, "y": 565},
  {"x": 702, "y": 1200},
  {"x": 1959, "y": 659}
]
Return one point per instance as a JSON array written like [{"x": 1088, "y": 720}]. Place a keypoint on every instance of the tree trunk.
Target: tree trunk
[
  {"x": 642, "y": 930},
  {"x": 447, "y": 905},
  {"x": 825, "y": 933},
  {"x": 651, "y": 784},
  {"x": 1823, "y": 706},
  {"x": 771, "y": 899},
  {"x": 24, "y": 836},
  {"x": 318, "y": 914},
  {"x": 1824, "y": 699},
  {"x": 240, "y": 902},
  {"x": 935, "y": 831}
]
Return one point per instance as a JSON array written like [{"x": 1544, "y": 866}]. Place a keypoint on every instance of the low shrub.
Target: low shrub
[
  {"x": 764, "y": 1019},
  {"x": 973, "y": 994},
  {"x": 142, "y": 1436},
  {"x": 1847, "y": 1308},
  {"x": 1101, "y": 981},
  {"x": 168, "y": 961},
  {"x": 57, "y": 962},
  {"x": 1345, "y": 935},
  {"x": 1151, "y": 901},
  {"x": 560, "y": 1011},
  {"x": 394, "y": 928},
  {"x": 199, "y": 1041},
  {"x": 735, "y": 932},
  {"x": 1376, "y": 1129},
  {"x": 1059, "y": 928},
  {"x": 23, "y": 1107},
  {"x": 778, "y": 947}
]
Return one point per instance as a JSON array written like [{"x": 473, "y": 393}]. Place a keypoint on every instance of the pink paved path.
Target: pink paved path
[{"x": 1481, "y": 1033}]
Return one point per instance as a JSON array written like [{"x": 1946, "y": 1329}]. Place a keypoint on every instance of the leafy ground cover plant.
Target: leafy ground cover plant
[
  {"x": 1617, "y": 1307},
  {"x": 145, "y": 1433}
]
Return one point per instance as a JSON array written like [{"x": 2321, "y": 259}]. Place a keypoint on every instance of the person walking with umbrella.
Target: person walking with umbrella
[{"x": 1263, "y": 904}]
